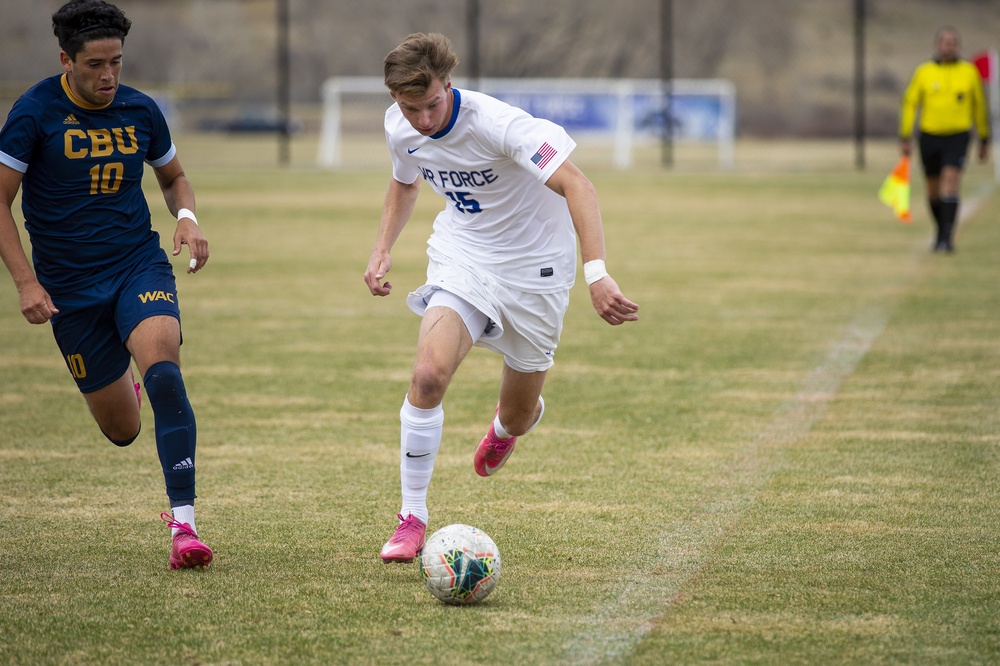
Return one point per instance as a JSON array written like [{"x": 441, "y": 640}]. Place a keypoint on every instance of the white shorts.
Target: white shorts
[{"x": 523, "y": 327}]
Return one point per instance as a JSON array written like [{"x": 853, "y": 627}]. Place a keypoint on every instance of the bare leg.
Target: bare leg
[
  {"x": 519, "y": 410},
  {"x": 442, "y": 345},
  {"x": 950, "y": 181},
  {"x": 519, "y": 406},
  {"x": 116, "y": 409},
  {"x": 153, "y": 340},
  {"x": 933, "y": 187}
]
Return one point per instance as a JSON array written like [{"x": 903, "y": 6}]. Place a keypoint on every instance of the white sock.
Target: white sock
[
  {"x": 502, "y": 433},
  {"x": 419, "y": 440},
  {"x": 498, "y": 429},
  {"x": 183, "y": 514}
]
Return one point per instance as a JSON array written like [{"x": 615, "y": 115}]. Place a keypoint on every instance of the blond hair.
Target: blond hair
[{"x": 413, "y": 66}]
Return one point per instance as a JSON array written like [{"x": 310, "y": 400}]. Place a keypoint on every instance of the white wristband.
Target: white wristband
[
  {"x": 594, "y": 270},
  {"x": 184, "y": 212}
]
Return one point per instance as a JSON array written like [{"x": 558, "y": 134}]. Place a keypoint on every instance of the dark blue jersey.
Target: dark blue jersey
[{"x": 81, "y": 193}]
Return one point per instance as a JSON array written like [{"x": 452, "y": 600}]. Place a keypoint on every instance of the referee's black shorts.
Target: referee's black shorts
[{"x": 943, "y": 150}]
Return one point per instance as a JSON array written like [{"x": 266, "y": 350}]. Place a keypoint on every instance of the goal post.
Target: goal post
[{"x": 622, "y": 112}]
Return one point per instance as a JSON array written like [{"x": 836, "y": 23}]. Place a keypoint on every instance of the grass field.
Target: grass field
[{"x": 793, "y": 458}]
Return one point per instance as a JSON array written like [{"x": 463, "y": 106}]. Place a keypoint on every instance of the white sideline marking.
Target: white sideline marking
[{"x": 647, "y": 595}]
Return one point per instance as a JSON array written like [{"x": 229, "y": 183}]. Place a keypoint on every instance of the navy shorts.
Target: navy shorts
[
  {"x": 938, "y": 151},
  {"x": 93, "y": 324}
]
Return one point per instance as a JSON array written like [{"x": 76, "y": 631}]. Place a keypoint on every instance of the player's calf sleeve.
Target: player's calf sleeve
[{"x": 175, "y": 428}]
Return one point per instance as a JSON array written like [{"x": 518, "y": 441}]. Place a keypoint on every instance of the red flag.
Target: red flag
[{"x": 982, "y": 61}]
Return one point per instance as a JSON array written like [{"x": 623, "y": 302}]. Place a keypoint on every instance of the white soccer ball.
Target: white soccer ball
[{"x": 460, "y": 564}]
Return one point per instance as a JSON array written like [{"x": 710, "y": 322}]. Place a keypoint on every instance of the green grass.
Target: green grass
[{"x": 792, "y": 458}]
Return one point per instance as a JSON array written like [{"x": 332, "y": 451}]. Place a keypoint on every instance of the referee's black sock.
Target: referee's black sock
[
  {"x": 949, "y": 215},
  {"x": 935, "y": 205}
]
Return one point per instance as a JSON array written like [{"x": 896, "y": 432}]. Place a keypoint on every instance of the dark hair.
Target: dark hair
[
  {"x": 421, "y": 59},
  {"x": 80, "y": 21}
]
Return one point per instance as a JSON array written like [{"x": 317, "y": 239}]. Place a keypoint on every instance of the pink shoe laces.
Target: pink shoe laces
[
  {"x": 499, "y": 447},
  {"x": 172, "y": 523},
  {"x": 409, "y": 528}
]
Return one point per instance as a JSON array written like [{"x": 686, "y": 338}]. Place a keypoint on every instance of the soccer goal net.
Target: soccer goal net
[{"x": 612, "y": 116}]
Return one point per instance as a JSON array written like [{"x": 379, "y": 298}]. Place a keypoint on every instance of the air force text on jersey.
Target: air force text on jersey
[{"x": 447, "y": 179}]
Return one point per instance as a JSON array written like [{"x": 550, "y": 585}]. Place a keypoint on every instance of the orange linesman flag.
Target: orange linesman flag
[{"x": 895, "y": 190}]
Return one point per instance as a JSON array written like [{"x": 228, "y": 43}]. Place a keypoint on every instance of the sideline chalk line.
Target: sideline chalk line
[{"x": 686, "y": 545}]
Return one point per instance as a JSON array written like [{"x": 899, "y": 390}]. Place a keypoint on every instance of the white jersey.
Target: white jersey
[{"x": 490, "y": 163}]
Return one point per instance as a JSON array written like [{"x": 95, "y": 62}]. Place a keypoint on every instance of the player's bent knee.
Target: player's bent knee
[
  {"x": 164, "y": 384},
  {"x": 122, "y": 443}
]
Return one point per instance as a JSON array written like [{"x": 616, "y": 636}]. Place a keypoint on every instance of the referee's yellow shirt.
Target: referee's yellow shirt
[{"x": 950, "y": 98}]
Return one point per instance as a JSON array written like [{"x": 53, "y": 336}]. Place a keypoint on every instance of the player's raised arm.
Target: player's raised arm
[
  {"x": 396, "y": 211},
  {"x": 581, "y": 198}
]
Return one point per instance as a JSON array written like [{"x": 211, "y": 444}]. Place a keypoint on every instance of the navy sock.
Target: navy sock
[{"x": 175, "y": 428}]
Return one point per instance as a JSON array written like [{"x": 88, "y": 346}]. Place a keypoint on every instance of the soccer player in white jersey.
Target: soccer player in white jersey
[{"x": 502, "y": 257}]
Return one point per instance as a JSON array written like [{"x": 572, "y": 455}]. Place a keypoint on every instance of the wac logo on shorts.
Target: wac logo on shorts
[{"x": 151, "y": 296}]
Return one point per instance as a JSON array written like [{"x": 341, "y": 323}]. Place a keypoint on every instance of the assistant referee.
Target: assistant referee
[{"x": 948, "y": 92}]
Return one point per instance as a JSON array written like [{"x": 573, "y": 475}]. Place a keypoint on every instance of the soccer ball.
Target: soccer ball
[{"x": 460, "y": 564}]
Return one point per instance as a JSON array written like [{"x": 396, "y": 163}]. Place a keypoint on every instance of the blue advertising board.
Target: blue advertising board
[{"x": 692, "y": 116}]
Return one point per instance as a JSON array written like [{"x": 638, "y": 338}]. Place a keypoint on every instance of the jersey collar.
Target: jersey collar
[
  {"x": 456, "y": 104},
  {"x": 64, "y": 80}
]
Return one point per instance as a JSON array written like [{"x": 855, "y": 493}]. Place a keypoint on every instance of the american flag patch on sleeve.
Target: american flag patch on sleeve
[{"x": 544, "y": 155}]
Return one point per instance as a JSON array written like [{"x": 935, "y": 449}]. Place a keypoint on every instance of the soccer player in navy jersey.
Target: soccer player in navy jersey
[{"x": 76, "y": 145}]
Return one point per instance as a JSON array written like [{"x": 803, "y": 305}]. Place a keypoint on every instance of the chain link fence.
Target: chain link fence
[{"x": 214, "y": 65}]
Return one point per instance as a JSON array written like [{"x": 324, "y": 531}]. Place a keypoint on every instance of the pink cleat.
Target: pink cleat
[
  {"x": 492, "y": 453},
  {"x": 407, "y": 542},
  {"x": 187, "y": 552}
]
